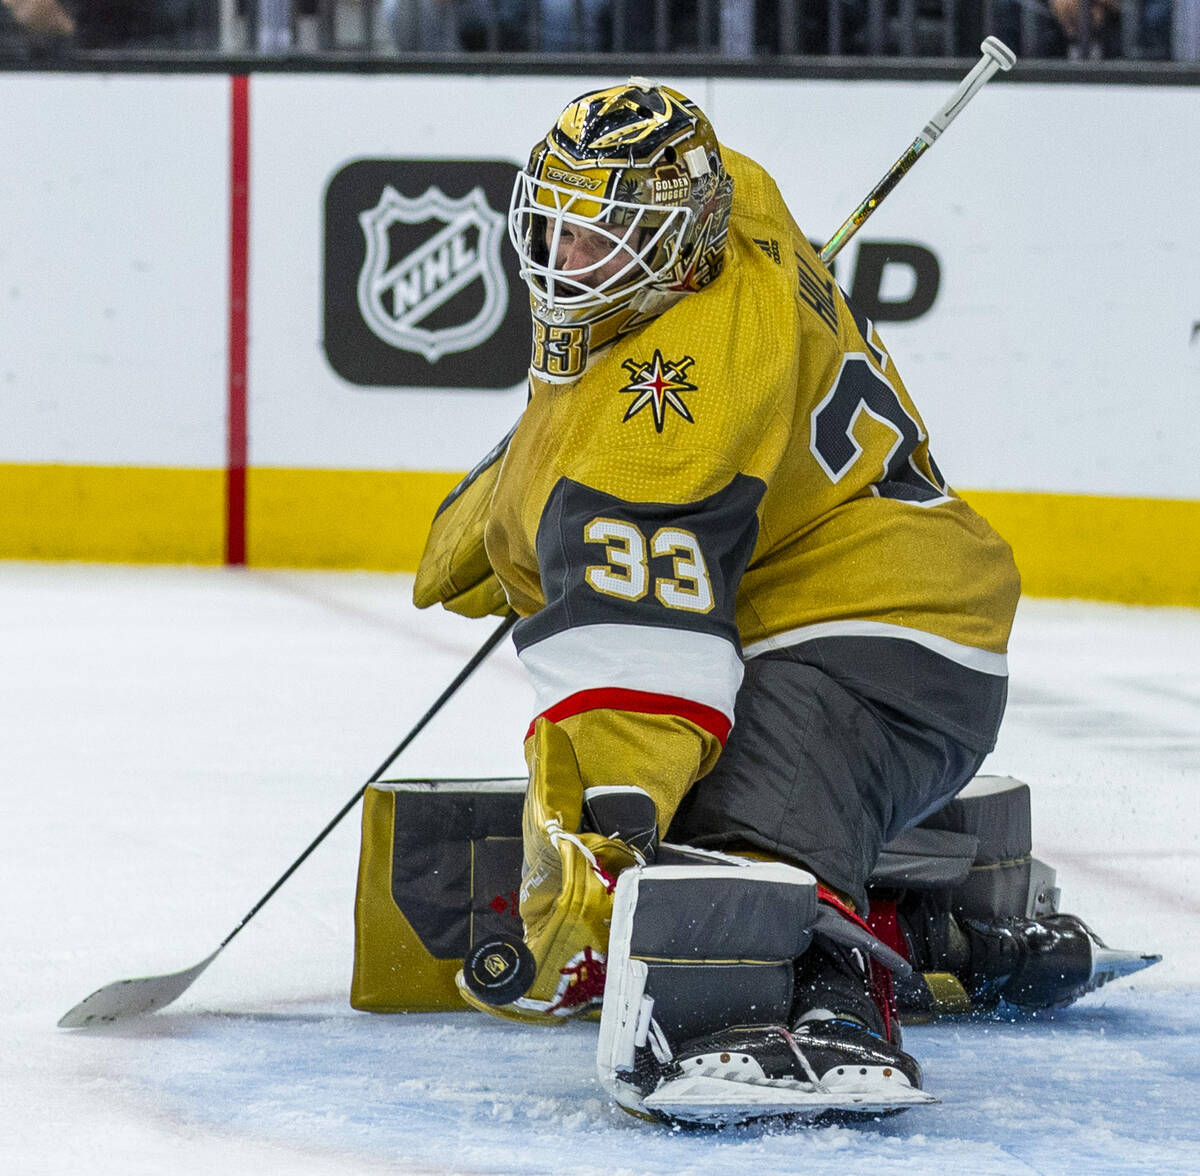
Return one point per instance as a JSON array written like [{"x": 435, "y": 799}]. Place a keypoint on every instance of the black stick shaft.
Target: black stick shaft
[
  {"x": 445, "y": 696},
  {"x": 855, "y": 220}
]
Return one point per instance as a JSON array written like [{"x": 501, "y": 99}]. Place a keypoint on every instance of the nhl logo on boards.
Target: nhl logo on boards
[
  {"x": 398, "y": 295},
  {"x": 658, "y": 385},
  {"x": 418, "y": 292}
]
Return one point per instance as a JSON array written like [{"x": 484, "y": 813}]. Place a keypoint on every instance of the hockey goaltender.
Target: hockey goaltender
[{"x": 767, "y": 641}]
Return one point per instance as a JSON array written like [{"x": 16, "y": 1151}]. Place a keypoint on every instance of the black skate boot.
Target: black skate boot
[
  {"x": 843, "y": 1018},
  {"x": 838, "y": 1058},
  {"x": 1042, "y": 963}
]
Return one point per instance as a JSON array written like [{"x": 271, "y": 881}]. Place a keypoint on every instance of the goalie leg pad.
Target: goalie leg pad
[
  {"x": 701, "y": 990},
  {"x": 692, "y": 950}
]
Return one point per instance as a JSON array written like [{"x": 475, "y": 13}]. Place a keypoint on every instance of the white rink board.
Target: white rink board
[
  {"x": 114, "y": 194},
  {"x": 1058, "y": 356}
]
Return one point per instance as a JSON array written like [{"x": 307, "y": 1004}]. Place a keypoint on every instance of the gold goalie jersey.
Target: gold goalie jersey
[{"x": 743, "y": 473}]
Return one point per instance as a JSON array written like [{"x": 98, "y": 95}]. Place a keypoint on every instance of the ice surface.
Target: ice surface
[{"x": 173, "y": 738}]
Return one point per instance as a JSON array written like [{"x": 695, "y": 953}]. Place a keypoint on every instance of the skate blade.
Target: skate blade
[
  {"x": 1110, "y": 964},
  {"x": 717, "y": 1101}
]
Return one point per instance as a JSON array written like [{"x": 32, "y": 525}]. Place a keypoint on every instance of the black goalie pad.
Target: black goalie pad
[
  {"x": 441, "y": 863},
  {"x": 980, "y": 913},
  {"x": 698, "y": 947},
  {"x": 977, "y": 852}
]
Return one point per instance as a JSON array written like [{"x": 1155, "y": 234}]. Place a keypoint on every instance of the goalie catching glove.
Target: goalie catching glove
[
  {"x": 576, "y": 843},
  {"x": 455, "y": 571}
]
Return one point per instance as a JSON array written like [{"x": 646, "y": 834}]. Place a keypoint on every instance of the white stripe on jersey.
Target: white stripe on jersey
[
  {"x": 699, "y": 667},
  {"x": 982, "y": 660}
]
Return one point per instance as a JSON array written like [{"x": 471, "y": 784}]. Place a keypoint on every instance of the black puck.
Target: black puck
[{"x": 500, "y": 969}]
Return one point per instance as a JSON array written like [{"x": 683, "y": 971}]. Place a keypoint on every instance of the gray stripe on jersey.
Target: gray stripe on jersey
[
  {"x": 725, "y": 526},
  {"x": 909, "y": 677}
]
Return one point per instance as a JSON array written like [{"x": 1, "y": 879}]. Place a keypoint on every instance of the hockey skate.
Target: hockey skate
[
  {"x": 694, "y": 1034},
  {"x": 1032, "y": 963},
  {"x": 964, "y": 900},
  {"x": 834, "y": 1062}
]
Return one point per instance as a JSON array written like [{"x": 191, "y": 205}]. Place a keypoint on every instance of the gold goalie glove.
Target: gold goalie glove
[
  {"x": 566, "y": 891},
  {"x": 455, "y": 571}
]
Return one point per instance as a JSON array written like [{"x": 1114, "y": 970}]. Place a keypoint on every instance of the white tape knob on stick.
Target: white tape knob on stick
[
  {"x": 997, "y": 56},
  {"x": 999, "y": 52}
]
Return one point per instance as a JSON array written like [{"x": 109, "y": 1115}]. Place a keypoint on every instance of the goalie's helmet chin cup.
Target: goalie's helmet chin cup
[{"x": 622, "y": 209}]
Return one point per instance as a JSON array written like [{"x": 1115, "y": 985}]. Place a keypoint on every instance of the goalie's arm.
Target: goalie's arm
[
  {"x": 635, "y": 654},
  {"x": 455, "y": 571},
  {"x": 662, "y": 754}
]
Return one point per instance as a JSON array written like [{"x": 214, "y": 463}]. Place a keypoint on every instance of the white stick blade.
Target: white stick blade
[{"x": 131, "y": 998}]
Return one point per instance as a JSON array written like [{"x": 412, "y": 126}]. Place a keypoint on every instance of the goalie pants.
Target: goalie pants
[{"x": 838, "y": 745}]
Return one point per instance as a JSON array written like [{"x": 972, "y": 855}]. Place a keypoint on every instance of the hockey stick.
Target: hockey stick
[
  {"x": 129, "y": 998},
  {"x": 996, "y": 56}
]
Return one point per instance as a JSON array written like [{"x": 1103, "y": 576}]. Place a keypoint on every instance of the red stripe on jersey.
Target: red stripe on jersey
[{"x": 614, "y": 698}]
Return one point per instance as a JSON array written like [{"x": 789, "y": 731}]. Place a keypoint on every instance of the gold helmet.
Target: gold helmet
[{"x": 622, "y": 209}]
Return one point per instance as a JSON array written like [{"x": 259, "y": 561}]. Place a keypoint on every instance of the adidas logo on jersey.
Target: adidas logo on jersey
[{"x": 770, "y": 247}]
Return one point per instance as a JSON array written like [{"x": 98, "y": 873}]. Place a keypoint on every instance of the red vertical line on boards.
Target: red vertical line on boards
[{"x": 239, "y": 265}]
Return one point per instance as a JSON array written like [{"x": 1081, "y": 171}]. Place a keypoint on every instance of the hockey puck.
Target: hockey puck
[{"x": 499, "y": 970}]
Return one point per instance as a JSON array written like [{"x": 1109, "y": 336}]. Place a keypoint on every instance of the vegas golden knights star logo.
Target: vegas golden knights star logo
[
  {"x": 399, "y": 296},
  {"x": 658, "y": 385}
]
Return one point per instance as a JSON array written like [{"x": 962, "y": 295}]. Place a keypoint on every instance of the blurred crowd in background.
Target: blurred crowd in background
[{"x": 1139, "y": 30}]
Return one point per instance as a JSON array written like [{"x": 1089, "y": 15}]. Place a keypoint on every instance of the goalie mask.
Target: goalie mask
[{"x": 622, "y": 209}]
